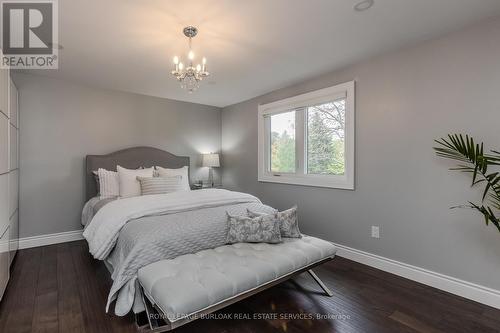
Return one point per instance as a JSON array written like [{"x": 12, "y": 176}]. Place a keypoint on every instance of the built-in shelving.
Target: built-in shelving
[{"x": 9, "y": 175}]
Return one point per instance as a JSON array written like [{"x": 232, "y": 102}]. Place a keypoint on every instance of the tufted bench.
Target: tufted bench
[{"x": 185, "y": 288}]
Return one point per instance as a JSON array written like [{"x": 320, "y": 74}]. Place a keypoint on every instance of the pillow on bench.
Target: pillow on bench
[
  {"x": 288, "y": 222},
  {"x": 259, "y": 229}
]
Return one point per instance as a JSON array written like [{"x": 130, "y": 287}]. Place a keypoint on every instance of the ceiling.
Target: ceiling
[{"x": 252, "y": 47}]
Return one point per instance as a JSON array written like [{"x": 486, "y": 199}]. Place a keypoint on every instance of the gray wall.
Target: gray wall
[
  {"x": 61, "y": 122},
  {"x": 404, "y": 101}
]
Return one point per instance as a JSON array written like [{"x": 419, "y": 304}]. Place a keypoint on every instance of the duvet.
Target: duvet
[{"x": 134, "y": 232}]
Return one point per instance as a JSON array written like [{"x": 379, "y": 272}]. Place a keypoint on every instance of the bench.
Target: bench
[{"x": 177, "y": 291}]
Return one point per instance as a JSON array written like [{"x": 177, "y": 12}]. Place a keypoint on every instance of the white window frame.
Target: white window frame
[{"x": 301, "y": 177}]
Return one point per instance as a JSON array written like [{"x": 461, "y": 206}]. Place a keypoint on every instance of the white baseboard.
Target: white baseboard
[
  {"x": 447, "y": 283},
  {"x": 61, "y": 237}
]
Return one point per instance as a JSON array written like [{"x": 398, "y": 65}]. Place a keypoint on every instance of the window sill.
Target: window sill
[{"x": 342, "y": 183}]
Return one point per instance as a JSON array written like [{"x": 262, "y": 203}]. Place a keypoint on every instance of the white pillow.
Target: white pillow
[
  {"x": 160, "y": 185},
  {"x": 109, "y": 185},
  {"x": 183, "y": 172},
  {"x": 129, "y": 185}
]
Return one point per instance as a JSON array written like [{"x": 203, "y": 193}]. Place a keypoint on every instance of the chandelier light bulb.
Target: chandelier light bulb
[
  {"x": 198, "y": 68},
  {"x": 191, "y": 55},
  {"x": 176, "y": 60},
  {"x": 204, "y": 61},
  {"x": 181, "y": 66}
]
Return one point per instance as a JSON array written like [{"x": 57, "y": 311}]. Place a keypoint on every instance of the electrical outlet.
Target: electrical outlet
[{"x": 375, "y": 231}]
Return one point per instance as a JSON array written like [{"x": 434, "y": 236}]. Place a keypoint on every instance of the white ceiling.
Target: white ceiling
[{"x": 252, "y": 47}]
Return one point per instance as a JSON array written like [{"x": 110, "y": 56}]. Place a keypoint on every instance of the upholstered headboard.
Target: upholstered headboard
[{"x": 131, "y": 158}]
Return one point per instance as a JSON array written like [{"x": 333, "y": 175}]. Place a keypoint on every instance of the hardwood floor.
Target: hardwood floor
[{"x": 60, "y": 288}]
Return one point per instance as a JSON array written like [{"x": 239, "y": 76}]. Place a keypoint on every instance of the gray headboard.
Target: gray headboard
[{"x": 131, "y": 158}]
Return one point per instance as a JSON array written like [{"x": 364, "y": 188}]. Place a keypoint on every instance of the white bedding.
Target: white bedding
[
  {"x": 134, "y": 232},
  {"x": 92, "y": 206},
  {"x": 88, "y": 210},
  {"x": 101, "y": 233}
]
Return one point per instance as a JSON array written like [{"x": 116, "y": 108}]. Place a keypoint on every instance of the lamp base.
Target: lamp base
[{"x": 211, "y": 177}]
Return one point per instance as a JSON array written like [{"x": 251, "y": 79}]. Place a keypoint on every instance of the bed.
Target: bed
[
  {"x": 130, "y": 233},
  {"x": 143, "y": 239}
]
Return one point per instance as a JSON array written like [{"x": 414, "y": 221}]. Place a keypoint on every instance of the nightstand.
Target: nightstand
[{"x": 204, "y": 186}]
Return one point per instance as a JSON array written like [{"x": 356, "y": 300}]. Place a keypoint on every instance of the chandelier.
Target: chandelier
[{"x": 190, "y": 76}]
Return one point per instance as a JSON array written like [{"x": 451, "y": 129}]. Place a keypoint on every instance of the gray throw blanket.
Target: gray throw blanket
[{"x": 148, "y": 239}]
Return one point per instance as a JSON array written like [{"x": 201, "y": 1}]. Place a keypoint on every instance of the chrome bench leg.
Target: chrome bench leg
[
  {"x": 321, "y": 284},
  {"x": 153, "y": 316}
]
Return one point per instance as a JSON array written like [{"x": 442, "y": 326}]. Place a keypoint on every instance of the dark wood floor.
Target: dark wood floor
[{"x": 60, "y": 288}]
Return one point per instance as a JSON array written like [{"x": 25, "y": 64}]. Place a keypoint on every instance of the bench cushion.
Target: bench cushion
[{"x": 193, "y": 282}]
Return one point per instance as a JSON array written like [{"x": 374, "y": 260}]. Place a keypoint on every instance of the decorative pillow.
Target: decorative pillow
[
  {"x": 129, "y": 185},
  {"x": 109, "y": 186},
  {"x": 183, "y": 172},
  {"x": 96, "y": 179},
  {"x": 160, "y": 185},
  {"x": 261, "y": 229},
  {"x": 288, "y": 221}
]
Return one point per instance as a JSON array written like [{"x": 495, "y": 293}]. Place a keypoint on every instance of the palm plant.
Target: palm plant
[{"x": 475, "y": 161}]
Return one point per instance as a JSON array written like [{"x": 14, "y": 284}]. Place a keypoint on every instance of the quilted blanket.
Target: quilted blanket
[{"x": 134, "y": 232}]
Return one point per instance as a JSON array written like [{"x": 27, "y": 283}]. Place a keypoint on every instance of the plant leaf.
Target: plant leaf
[{"x": 473, "y": 160}]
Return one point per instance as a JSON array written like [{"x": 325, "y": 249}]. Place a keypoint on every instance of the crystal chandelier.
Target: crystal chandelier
[{"x": 191, "y": 75}]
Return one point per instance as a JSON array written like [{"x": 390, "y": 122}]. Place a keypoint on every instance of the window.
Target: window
[
  {"x": 309, "y": 139},
  {"x": 283, "y": 142},
  {"x": 326, "y": 138}
]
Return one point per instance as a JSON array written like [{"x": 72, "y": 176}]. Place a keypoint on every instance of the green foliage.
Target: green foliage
[
  {"x": 282, "y": 152},
  {"x": 325, "y": 142},
  {"x": 325, "y": 154},
  {"x": 473, "y": 160}
]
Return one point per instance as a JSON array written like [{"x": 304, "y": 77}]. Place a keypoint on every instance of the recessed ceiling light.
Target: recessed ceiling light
[{"x": 363, "y": 5}]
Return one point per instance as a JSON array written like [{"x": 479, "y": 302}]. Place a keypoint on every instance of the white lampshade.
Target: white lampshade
[{"x": 211, "y": 160}]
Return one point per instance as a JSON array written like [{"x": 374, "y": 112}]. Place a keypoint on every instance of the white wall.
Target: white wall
[
  {"x": 62, "y": 122},
  {"x": 404, "y": 100}
]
